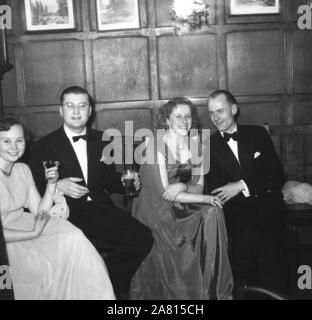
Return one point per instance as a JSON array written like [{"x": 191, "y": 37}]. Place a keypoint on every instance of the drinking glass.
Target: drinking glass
[
  {"x": 50, "y": 164},
  {"x": 128, "y": 178}
]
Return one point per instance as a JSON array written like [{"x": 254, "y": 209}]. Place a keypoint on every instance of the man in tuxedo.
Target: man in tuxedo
[
  {"x": 86, "y": 182},
  {"x": 247, "y": 175}
]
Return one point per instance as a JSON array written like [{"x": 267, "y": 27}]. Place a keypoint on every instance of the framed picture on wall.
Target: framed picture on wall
[
  {"x": 117, "y": 14},
  {"x": 247, "y": 7},
  {"x": 49, "y": 15}
]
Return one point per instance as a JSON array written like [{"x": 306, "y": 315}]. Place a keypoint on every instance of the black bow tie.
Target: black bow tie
[
  {"x": 83, "y": 136},
  {"x": 228, "y": 136}
]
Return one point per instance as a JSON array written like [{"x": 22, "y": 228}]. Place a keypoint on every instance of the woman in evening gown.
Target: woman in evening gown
[
  {"x": 189, "y": 258},
  {"x": 49, "y": 257}
]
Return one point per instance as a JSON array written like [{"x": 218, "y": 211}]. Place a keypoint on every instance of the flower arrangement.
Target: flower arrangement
[{"x": 189, "y": 15}]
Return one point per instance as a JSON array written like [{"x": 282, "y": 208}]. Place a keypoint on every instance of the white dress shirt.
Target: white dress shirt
[
  {"x": 234, "y": 147},
  {"x": 80, "y": 148}
]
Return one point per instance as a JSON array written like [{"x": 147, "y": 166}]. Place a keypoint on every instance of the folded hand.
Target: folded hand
[{"x": 229, "y": 191}]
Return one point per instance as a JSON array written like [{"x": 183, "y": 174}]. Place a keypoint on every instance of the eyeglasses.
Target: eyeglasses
[{"x": 80, "y": 105}]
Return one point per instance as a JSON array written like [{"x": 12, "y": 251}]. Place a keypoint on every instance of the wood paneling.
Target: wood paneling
[
  {"x": 187, "y": 65},
  {"x": 9, "y": 84},
  {"x": 121, "y": 69},
  {"x": 259, "y": 113},
  {"x": 42, "y": 123},
  {"x": 303, "y": 112},
  {"x": 294, "y": 8},
  {"x": 264, "y": 60},
  {"x": 303, "y": 60},
  {"x": 49, "y": 67},
  {"x": 255, "y": 62},
  {"x": 112, "y": 118}
]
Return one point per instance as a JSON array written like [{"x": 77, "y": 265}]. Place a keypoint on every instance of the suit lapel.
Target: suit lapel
[
  {"x": 245, "y": 145},
  {"x": 92, "y": 154},
  {"x": 226, "y": 157}
]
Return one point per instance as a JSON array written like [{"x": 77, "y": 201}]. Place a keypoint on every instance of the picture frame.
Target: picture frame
[
  {"x": 117, "y": 14},
  {"x": 254, "y": 7},
  {"x": 42, "y": 15}
]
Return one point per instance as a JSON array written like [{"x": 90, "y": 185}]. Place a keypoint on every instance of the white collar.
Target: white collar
[{"x": 70, "y": 134}]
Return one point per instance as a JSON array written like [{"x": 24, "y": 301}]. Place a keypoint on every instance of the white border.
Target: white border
[
  {"x": 245, "y": 10},
  {"x": 135, "y": 24},
  {"x": 55, "y": 26}
]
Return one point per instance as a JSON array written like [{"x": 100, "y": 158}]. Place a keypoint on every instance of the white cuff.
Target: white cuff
[{"x": 246, "y": 192}]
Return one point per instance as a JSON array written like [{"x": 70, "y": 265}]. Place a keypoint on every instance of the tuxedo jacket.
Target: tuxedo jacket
[
  {"x": 102, "y": 178},
  {"x": 259, "y": 165}
]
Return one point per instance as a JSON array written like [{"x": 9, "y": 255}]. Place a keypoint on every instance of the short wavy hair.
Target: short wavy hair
[
  {"x": 7, "y": 123},
  {"x": 77, "y": 90},
  {"x": 166, "y": 110}
]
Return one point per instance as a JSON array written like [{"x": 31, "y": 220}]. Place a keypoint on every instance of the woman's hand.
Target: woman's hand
[
  {"x": 213, "y": 200},
  {"x": 52, "y": 175},
  {"x": 41, "y": 221},
  {"x": 174, "y": 190}
]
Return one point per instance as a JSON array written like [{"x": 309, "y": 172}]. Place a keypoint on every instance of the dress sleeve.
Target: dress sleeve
[{"x": 32, "y": 192}]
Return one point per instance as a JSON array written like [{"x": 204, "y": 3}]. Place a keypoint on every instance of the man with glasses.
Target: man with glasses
[{"x": 86, "y": 183}]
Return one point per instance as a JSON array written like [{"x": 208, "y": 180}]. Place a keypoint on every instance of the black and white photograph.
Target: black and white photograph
[
  {"x": 117, "y": 14},
  {"x": 246, "y": 7},
  {"x": 49, "y": 15},
  {"x": 156, "y": 152}
]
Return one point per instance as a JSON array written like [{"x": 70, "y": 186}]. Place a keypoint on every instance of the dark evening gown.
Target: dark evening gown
[{"x": 189, "y": 257}]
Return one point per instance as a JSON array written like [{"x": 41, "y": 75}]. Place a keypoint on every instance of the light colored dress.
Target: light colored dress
[
  {"x": 59, "y": 264},
  {"x": 189, "y": 258}
]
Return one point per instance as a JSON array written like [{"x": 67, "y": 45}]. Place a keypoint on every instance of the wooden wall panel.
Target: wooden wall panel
[
  {"x": 187, "y": 65},
  {"x": 114, "y": 118},
  {"x": 9, "y": 90},
  {"x": 264, "y": 60},
  {"x": 49, "y": 67},
  {"x": 42, "y": 123},
  {"x": 259, "y": 113},
  {"x": 16, "y": 21},
  {"x": 121, "y": 69},
  {"x": 303, "y": 112},
  {"x": 294, "y": 4},
  {"x": 255, "y": 61},
  {"x": 302, "y": 60}
]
